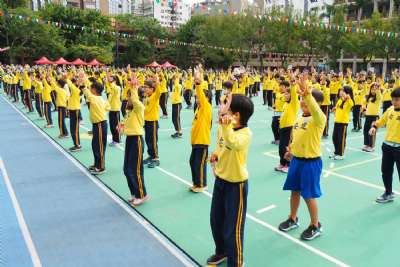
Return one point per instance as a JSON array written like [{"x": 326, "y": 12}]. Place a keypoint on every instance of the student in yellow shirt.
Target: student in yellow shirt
[
  {"x": 325, "y": 106},
  {"x": 152, "y": 105},
  {"x": 176, "y": 100},
  {"x": 98, "y": 117},
  {"x": 164, "y": 94},
  {"x": 278, "y": 105},
  {"x": 27, "y": 86},
  {"x": 391, "y": 145},
  {"x": 372, "y": 107},
  {"x": 61, "y": 102},
  {"x": 132, "y": 127},
  {"x": 286, "y": 122},
  {"x": 342, "y": 118},
  {"x": 303, "y": 179},
  {"x": 47, "y": 103},
  {"x": 386, "y": 97},
  {"x": 114, "y": 100},
  {"x": 229, "y": 200},
  {"x": 359, "y": 94},
  {"x": 74, "y": 107},
  {"x": 334, "y": 87},
  {"x": 38, "y": 94},
  {"x": 218, "y": 89},
  {"x": 200, "y": 135},
  {"x": 188, "y": 88}
]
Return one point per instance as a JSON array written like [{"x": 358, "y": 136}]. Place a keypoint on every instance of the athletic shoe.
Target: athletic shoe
[
  {"x": 312, "y": 232},
  {"x": 332, "y": 156},
  {"x": 164, "y": 117},
  {"x": 113, "y": 143},
  {"x": 369, "y": 149},
  {"x": 153, "y": 163},
  {"x": 180, "y": 134},
  {"x": 197, "y": 189},
  {"x": 49, "y": 126},
  {"x": 354, "y": 130},
  {"x": 139, "y": 201},
  {"x": 385, "y": 198},
  {"x": 270, "y": 108},
  {"x": 289, "y": 224},
  {"x": 325, "y": 136},
  {"x": 285, "y": 169},
  {"x": 91, "y": 168},
  {"x": 75, "y": 149},
  {"x": 97, "y": 171},
  {"x": 275, "y": 142},
  {"x": 279, "y": 168},
  {"x": 90, "y": 132},
  {"x": 338, "y": 157},
  {"x": 147, "y": 160},
  {"x": 176, "y": 135},
  {"x": 364, "y": 148},
  {"x": 216, "y": 259}
]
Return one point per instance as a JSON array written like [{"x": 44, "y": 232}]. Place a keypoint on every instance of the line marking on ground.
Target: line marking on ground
[
  {"x": 345, "y": 177},
  {"x": 163, "y": 241},
  {"x": 270, "y": 207},
  {"x": 20, "y": 218}
]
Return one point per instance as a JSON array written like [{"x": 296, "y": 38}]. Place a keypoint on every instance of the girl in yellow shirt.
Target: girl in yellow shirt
[
  {"x": 373, "y": 103},
  {"x": 342, "y": 119},
  {"x": 387, "y": 98},
  {"x": 359, "y": 94},
  {"x": 176, "y": 100}
]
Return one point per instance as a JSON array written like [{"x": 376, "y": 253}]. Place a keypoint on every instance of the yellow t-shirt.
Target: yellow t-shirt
[
  {"x": 290, "y": 109},
  {"x": 307, "y": 132},
  {"x": 202, "y": 121},
  {"x": 98, "y": 107},
  {"x": 342, "y": 115},
  {"x": 134, "y": 119},
  {"x": 232, "y": 159},
  {"x": 391, "y": 118}
]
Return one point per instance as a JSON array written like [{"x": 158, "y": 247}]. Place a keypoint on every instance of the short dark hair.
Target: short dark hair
[
  {"x": 318, "y": 95},
  {"x": 228, "y": 85},
  {"x": 98, "y": 87},
  {"x": 285, "y": 83},
  {"x": 391, "y": 81},
  {"x": 244, "y": 106},
  {"x": 149, "y": 83},
  {"x": 395, "y": 93}
]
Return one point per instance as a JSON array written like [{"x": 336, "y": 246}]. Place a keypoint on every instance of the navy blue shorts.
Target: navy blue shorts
[{"x": 304, "y": 177}]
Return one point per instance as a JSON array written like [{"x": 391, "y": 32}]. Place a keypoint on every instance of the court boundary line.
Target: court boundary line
[
  {"x": 175, "y": 250},
  {"x": 345, "y": 177},
  {"x": 248, "y": 215},
  {"x": 20, "y": 217}
]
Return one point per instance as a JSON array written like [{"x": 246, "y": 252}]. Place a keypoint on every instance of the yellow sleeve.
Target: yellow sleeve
[
  {"x": 200, "y": 94},
  {"x": 383, "y": 120},
  {"x": 234, "y": 140},
  {"x": 315, "y": 110}
]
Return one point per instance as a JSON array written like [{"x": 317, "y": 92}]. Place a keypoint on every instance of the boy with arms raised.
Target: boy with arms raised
[
  {"x": 303, "y": 179},
  {"x": 229, "y": 202}
]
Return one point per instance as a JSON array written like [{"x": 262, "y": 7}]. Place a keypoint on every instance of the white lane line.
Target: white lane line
[
  {"x": 160, "y": 238},
  {"x": 342, "y": 176},
  {"x": 270, "y": 207},
  {"x": 251, "y": 217},
  {"x": 20, "y": 218}
]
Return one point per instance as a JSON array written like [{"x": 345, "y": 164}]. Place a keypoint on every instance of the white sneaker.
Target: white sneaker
[
  {"x": 364, "y": 148},
  {"x": 338, "y": 157},
  {"x": 369, "y": 149},
  {"x": 279, "y": 168},
  {"x": 139, "y": 201}
]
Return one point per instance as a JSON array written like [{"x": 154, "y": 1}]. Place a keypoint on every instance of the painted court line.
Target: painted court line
[
  {"x": 270, "y": 207},
  {"x": 130, "y": 211},
  {"x": 342, "y": 176},
  {"x": 163, "y": 241},
  {"x": 20, "y": 218}
]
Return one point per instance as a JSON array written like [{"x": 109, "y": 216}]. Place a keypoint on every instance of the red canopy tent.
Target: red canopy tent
[
  {"x": 154, "y": 64},
  {"x": 62, "y": 61},
  {"x": 94, "y": 62},
  {"x": 168, "y": 65},
  {"x": 44, "y": 61},
  {"x": 78, "y": 61}
]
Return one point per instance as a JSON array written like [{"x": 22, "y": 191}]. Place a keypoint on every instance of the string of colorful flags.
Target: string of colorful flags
[{"x": 62, "y": 25}]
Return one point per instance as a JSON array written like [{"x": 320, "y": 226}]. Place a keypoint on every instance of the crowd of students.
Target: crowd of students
[{"x": 138, "y": 94}]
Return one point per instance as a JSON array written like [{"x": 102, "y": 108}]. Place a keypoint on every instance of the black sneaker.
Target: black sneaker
[
  {"x": 289, "y": 224},
  {"x": 385, "y": 198},
  {"x": 147, "y": 160},
  {"x": 98, "y": 171},
  {"x": 91, "y": 168},
  {"x": 75, "y": 148},
  {"x": 175, "y": 135},
  {"x": 153, "y": 163},
  {"x": 216, "y": 259},
  {"x": 312, "y": 232}
]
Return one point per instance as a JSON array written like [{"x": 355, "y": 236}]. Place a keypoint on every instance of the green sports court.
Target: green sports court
[{"x": 357, "y": 231}]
